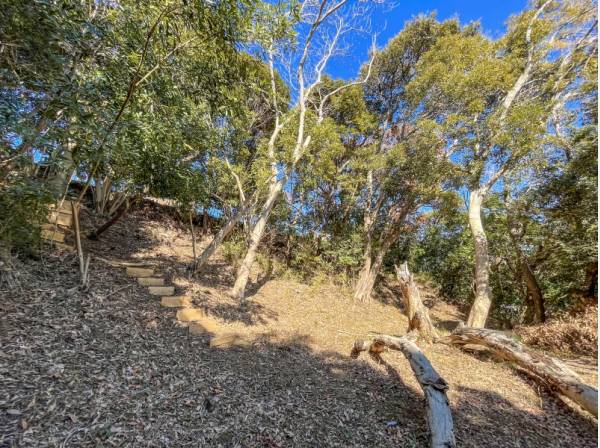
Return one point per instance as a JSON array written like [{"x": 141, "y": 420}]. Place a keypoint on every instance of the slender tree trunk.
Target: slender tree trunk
[
  {"x": 205, "y": 225},
  {"x": 483, "y": 293},
  {"x": 417, "y": 313},
  {"x": 535, "y": 312},
  {"x": 218, "y": 239},
  {"x": 545, "y": 369},
  {"x": 243, "y": 274},
  {"x": 193, "y": 235},
  {"x": 108, "y": 224},
  {"x": 395, "y": 216},
  {"x": 591, "y": 282}
]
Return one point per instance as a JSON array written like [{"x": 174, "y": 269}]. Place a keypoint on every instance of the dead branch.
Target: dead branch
[
  {"x": 439, "y": 415},
  {"x": 546, "y": 370}
]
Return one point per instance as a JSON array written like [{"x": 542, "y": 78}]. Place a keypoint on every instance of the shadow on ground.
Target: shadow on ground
[{"x": 83, "y": 368}]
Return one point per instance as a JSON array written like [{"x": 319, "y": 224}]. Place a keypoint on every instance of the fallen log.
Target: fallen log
[
  {"x": 439, "y": 416},
  {"x": 548, "y": 371},
  {"x": 417, "y": 313}
]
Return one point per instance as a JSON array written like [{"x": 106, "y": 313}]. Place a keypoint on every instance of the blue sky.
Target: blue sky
[{"x": 491, "y": 14}]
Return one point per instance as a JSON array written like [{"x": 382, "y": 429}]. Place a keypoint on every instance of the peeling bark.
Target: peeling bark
[
  {"x": 545, "y": 369},
  {"x": 417, "y": 313},
  {"x": 439, "y": 415},
  {"x": 483, "y": 293}
]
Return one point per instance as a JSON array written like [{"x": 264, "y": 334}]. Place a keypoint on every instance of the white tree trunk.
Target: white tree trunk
[
  {"x": 545, "y": 369},
  {"x": 243, "y": 274},
  {"x": 483, "y": 293},
  {"x": 217, "y": 240},
  {"x": 439, "y": 415}
]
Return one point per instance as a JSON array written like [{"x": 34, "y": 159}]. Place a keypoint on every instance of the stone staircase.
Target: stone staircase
[
  {"x": 195, "y": 319},
  {"x": 58, "y": 225}
]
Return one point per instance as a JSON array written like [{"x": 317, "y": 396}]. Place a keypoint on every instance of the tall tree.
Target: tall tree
[{"x": 494, "y": 100}]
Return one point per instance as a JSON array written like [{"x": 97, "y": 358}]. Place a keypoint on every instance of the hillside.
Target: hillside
[{"x": 114, "y": 368}]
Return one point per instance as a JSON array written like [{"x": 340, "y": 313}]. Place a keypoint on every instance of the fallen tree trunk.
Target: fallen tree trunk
[
  {"x": 547, "y": 370},
  {"x": 439, "y": 416},
  {"x": 417, "y": 313}
]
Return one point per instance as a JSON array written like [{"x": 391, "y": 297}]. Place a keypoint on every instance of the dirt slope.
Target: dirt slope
[{"x": 110, "y": 367}]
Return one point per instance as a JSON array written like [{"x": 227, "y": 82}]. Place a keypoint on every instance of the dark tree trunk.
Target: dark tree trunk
[
  {"x": 108, "y": 224},
  {"x": 535, "y": 312},
  {"x": 205, "y": 224}
]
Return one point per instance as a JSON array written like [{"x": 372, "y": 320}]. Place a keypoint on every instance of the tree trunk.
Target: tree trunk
[
  {"x": 193, "y": 235},
  {"x": 205, "y": 225},
  {"x": 94, "y": 235},
  {"x": 535, "y": 312},
  {"x": 243, "y": 274},
  {"x": 545, "y": 369},
  {"x": 483, "y": 294},
  {"x": 439, "y": 415},
  {"x": 591, "y": 282},
  {"x": 60, "y": 180},
  {"x": 217, "y": 240},
  {"x": 366, "y": 281},
  {"x": 417, "y": 313},
  {"x": 395, "y": 216}
]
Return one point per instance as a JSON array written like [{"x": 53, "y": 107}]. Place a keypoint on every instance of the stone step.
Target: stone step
[
  {"x": 203, "y": 326},
  {"x": 161, "y": 290},
  {"x": 139, "y": 272},
  {"x": 65, "y": 207},
  {"x": 190, "y": 315},
  {"x": 60, "y": 218},
  {"x": 231, "y": 339},
  {"x": 176, "y": 301},
  {"x": 53, "y": 235},
  {"x": 151, "y": 281}
]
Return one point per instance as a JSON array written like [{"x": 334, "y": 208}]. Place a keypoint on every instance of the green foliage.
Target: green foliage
[{"x": 23, "y": 206}]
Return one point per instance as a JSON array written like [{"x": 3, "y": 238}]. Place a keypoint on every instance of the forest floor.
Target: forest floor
[{"x": 110, "y": 367}]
